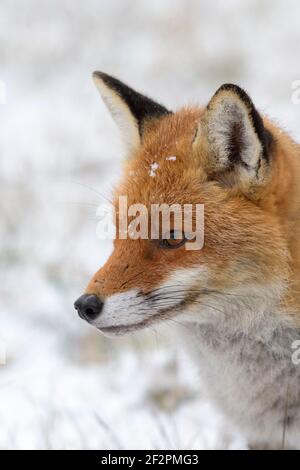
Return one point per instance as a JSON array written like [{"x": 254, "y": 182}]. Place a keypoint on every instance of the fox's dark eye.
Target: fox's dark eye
[{"x": 175, "y": 240}]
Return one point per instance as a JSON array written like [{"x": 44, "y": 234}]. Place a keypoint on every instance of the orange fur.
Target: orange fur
[{"x": 263, "y": 227}]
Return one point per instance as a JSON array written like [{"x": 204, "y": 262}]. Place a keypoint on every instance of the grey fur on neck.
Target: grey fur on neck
[{"x": 248, "y": 372}]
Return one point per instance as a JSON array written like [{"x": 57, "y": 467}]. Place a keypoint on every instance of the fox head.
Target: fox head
[{"x": 224, "y": 156}]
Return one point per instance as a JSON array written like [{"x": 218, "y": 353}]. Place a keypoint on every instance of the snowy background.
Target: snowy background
[{"x": 64, "y": 385}]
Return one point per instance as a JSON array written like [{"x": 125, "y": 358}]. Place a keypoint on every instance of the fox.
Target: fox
[{"x": 235, "y": 301}]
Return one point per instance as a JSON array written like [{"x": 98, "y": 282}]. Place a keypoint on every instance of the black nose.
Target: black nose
[{"x": 88, "y": 306}]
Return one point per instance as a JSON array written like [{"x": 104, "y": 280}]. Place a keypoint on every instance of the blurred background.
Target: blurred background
[{"x": 63, "y": 385}]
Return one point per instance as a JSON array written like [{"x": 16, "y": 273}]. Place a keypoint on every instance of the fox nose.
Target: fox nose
[{"x": 88, "y": 306}]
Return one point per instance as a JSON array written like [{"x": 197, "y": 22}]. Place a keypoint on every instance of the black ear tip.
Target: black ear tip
[
  {"x": 230, "y": 87},
  {"x": 238, "y": 91},
  {"x": 110, "y": 81},
  {"x": 99, "y": 75}
]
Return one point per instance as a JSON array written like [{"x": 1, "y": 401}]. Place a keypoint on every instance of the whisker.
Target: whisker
[{"x": 95, "y": 191}]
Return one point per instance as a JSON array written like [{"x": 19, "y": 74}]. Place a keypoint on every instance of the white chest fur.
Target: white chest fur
[{"x": 251, "y": 376}]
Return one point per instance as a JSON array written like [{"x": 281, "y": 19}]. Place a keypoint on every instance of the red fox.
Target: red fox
[{"x": 236, "y": 300}]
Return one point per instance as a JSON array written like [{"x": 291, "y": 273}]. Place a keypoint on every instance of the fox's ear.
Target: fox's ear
[
  {"x": 130, "y": 109},
  {"x": 233, "y": 139}
]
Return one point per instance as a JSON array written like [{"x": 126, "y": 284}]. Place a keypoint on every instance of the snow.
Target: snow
[
  {"x": 172, "y": 158},
  {"x": 63, "y": 385},
  {"x": 153, "y": 168}
]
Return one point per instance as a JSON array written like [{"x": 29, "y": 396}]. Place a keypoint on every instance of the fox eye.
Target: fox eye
[{"x": 175, "y": 240}]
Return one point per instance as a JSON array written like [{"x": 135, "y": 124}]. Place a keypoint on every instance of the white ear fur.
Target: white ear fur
[
  {"x": 230, "y": 131},
  {"x": 121, "y": 114},
  {"x": 232, "y": 136}
]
